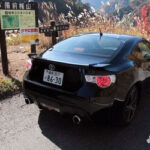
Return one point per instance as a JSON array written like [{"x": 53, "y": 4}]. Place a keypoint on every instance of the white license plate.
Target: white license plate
[{"x": 53, "y": 77}]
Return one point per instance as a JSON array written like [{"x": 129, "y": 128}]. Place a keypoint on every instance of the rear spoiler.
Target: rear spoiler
[{"x": 74, "y": 65}]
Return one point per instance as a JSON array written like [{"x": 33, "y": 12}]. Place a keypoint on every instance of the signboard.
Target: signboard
[
  {"x": 16, "y": 19},
  {"x": 16, "y": 15},
  {"x": 30, "y": 35},
  {"x": 51, "y": 29}
]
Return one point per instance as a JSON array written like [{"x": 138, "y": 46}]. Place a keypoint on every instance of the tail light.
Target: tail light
[
  {"x": 101, "y": 81},
  {"x": 28, "y": 64}
]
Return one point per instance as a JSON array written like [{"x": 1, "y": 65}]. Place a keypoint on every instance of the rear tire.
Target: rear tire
[{"x": 123, "y": 114}]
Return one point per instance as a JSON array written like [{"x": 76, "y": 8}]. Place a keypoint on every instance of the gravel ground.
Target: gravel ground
[
  {"x": 24, "y": 127},
  {"x": 19, "y": 128}
]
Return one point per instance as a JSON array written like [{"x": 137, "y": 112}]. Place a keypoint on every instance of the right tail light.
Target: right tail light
[{"x": 101, "y": 81}]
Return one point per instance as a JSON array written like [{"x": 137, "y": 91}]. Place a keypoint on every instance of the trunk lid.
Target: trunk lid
[{"x": 73, "y": 67}]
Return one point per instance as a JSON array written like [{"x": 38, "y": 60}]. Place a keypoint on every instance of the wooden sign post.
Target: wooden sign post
[
  {"x": 15, "y": 16},
  {"x": 52, "y": 31},
  {"x": 3, "y": 48}
]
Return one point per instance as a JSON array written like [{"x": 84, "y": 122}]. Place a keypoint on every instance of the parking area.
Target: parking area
[{"x": 24, "y": 127}]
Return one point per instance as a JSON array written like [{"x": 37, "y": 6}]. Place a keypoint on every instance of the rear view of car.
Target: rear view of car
[{"x": 81, "y": 76}]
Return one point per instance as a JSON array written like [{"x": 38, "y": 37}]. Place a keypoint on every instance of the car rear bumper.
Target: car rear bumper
[{"x": 64, "y": 101}]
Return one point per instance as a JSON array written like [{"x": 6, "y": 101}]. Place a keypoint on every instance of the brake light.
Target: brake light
[
  {"x": 101, "y": 81},
  {"x": 28, "y": 64}
]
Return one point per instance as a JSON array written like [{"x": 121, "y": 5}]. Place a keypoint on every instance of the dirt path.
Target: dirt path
[
  {"x": 19, "y": 129},
  {"x": 17, "y": 56}
]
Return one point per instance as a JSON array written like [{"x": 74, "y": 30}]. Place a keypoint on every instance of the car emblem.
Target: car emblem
[{"x": 51, "y": 67}]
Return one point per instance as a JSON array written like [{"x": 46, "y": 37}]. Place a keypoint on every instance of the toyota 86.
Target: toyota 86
[{"x": 90, "y": 72}]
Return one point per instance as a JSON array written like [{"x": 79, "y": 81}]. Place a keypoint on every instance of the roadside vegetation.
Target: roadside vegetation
[
  {"x": 8, "y": 87},
  {"x": 13, "y": 39}
]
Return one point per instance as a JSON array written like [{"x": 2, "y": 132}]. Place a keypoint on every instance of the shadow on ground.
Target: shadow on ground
[{"x": 92, "y": 136}]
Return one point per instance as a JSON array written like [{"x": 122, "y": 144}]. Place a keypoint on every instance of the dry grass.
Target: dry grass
[
  {"x": 8, "y": 87},
  {"x": 13, "y": 39},
  {"x": 105, "y": 29},
  {"x": 45, "y": 42}
]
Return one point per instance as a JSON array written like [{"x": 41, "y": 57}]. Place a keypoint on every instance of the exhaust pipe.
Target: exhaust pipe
[
  {"x": 76, "y": 119},
  {"x": 28, "y": 101}
]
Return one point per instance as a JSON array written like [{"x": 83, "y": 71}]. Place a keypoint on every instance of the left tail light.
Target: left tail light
[
  {"x": 28, "y": 64},
  {"x": 101, "y": 81}
]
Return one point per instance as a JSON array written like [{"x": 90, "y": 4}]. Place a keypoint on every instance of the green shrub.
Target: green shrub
[{"x": 7, "y": 87}]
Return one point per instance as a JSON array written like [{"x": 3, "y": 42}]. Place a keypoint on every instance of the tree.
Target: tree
[{"x": 144, "y": 20}]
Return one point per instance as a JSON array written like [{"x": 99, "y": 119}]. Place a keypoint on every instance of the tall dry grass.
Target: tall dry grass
[
  {"x": 46, "y": 42},
  {"x": 105, "y": 28}
]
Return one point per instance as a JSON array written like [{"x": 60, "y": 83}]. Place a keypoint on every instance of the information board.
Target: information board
[
  {"x": 16, "y": 19},
  {"x": 30, "y": 35},
  {"x": 16, "y": 15}
]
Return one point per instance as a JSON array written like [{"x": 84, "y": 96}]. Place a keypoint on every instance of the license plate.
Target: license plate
[{"x": 53, "y": 77}]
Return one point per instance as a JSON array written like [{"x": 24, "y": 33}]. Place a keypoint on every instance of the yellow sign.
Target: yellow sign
[
  {"x": 30, "y": 35},
  {"x": 16, "y": 19}
]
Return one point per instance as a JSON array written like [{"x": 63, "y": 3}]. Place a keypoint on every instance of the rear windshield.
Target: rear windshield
[{"x": 90, "y": 44}]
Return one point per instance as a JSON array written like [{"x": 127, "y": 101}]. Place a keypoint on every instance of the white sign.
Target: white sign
[{"x": 30, "y": 35}]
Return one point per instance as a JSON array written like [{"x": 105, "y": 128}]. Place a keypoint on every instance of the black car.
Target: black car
[{"x": 89, "y": 72}]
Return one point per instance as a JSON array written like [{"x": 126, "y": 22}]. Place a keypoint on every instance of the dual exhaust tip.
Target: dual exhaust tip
[
  {"x": 76, "y": 119},
  {"x": 28, "y": 101}
]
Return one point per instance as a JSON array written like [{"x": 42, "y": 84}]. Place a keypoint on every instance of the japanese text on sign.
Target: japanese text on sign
[
  {"x": 16, "y": 15},
  {"x": 17, "y": 6},
  {"x": 15, "y": 19},
  {"x": 30, "y": 35}
]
